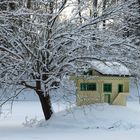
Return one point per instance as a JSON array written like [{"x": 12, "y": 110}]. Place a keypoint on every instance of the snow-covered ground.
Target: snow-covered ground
[
  {"x": 95, "y": 122},
  {"x": 98, "y": 122}
]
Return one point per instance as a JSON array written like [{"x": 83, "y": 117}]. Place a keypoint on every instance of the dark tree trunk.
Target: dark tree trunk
[
  {"x": 79, "y": 12},
  {"x": 104, "y": 7},
  {"x": 12, "y": 6},
  {"x": 95, "y": 4},
  {"x": 46, "y": 106},
  {"x": 29, "y": 4},
  {"x": 45, "y": 101},
  {"x": 139, "y": 1}
]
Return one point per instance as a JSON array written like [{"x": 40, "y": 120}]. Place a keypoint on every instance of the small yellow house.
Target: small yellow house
[{"x": 104, "y": 82}]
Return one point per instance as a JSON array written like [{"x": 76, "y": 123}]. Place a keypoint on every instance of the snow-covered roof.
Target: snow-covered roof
[{"x": 110, "y": 68}]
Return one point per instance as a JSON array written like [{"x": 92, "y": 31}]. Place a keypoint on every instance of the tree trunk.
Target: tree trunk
[
  {"x": 94, "y": 8},
  {"x": 139, "y": 1},
  {"x": 104, "y": 7},
  {"x": 46, "y": 106},
  {"x": 79, "y": 11},
  {"x": 29, "y": 4},
  {"x": 45, "y": 101}
]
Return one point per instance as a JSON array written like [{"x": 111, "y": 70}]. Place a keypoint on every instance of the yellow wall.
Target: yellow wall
[{"x": 89, "y": 97}]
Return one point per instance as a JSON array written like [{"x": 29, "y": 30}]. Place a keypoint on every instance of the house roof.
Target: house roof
[{"x": 110, "y": 68}]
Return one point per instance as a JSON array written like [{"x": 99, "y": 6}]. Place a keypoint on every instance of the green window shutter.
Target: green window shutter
[{"x": 107, "y": 87}]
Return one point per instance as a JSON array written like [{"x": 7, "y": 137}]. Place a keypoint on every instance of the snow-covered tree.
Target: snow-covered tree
[
  {"x": 36, "y": 48},
  {"x": 127, "y": 27}
]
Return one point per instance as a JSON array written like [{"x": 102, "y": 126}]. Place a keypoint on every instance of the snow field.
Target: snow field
[{"x": 99, "y": 122}]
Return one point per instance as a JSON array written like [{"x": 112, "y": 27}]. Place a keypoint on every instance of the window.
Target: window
[
  {"x": 88, "y": 86},
  {"x": 120, "y": 88},
  {"x": 83, "y": 86},
  {"x": 107, "y": 87},
  {"x": 91, "y": 86}
]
